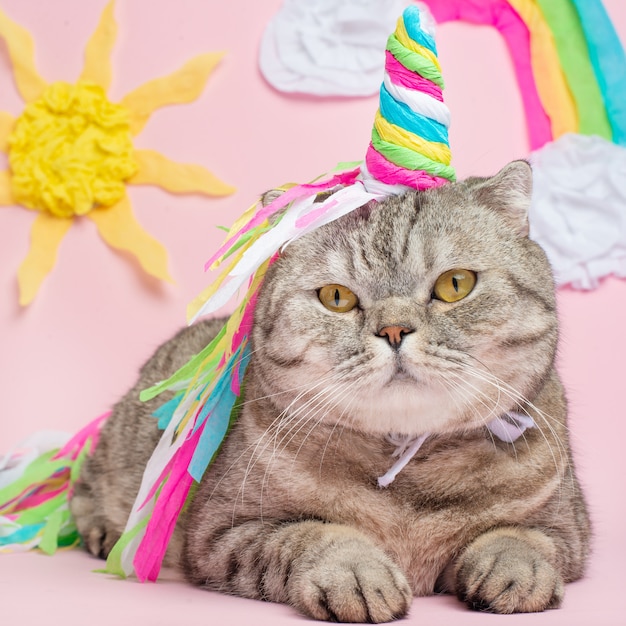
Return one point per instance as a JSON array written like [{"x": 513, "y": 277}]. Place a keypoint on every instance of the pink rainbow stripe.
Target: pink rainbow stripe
[
  {"x": 516, "y": 34},
  {"x": 404, "y": 77},
  {"x": 387, "y": 172}
]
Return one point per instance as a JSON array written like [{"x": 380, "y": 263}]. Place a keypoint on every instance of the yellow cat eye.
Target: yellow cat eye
[
  {"x": 337, "y": 298},
  {"x": 454, "y": 285}
]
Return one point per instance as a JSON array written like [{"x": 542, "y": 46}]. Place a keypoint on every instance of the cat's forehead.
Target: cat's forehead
[
  {"x": 411, "y": 232},
  {"x": 394, "y": 245}
]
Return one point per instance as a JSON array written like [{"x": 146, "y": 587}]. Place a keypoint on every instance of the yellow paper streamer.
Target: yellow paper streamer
[
  {"x": 403, "y": 37},
  {"x": 157, "y": 169},
  {"x": 6, "y": 126},
  {"x": 97, "y": 68},
  {"x": 196, "y": 304},
  {"x": 119, "y": 228},
  {"x": 22, "y": 52},
  {"x": 46, "y": 235},
  {"x": 399, "y": 136},
  {"x": 551, "y": 83},
  {"x": 182, "y": 86}
]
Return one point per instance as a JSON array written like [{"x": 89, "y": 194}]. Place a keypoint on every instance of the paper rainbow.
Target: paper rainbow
[{"x": 568, "y": 59}]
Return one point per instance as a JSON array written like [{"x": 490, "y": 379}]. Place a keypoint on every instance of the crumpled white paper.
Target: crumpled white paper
[
  {"x": 328, "y": 47},
  {"x": 14, "y": 462},
  {"x": 578, "y": 210}
]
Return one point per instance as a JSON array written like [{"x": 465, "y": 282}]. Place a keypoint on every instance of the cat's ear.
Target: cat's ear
[
  {"x": 509, "y": 192},
  {"x": 269, "y": 196}
]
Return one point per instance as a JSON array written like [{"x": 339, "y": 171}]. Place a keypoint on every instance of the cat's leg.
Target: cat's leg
[
  {"x": 509, "y": 570},
  {"x": 98, "y": 532},
  {"x": 326, "y": 571},
  {"x": 108, "y": 483}
]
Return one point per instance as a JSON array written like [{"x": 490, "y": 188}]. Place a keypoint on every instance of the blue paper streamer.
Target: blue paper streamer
[
  {"x": 412, "y": 23},
  {"x": 402, "y": 115}
]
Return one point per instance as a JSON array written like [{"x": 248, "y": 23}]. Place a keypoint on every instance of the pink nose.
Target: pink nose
[{"x": 394, "y": 334}]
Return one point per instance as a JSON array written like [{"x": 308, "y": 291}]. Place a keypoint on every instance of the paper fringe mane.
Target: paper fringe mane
[
  {"x": 198, "y": 418},
  {"x": 34, "y": 510}
]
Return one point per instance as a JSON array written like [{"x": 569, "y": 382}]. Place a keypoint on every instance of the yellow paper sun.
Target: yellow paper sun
[{"x": 71, "y": 153}]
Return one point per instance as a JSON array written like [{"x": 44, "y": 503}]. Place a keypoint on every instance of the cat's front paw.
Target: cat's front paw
[
  {"x": 351, "y": 582},
  {"x": 503, "y": 573}
]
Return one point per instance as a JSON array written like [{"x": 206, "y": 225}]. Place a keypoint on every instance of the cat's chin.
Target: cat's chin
[
  {"x": 402, "y": 377},
  {"x": 403, "y": 404}
]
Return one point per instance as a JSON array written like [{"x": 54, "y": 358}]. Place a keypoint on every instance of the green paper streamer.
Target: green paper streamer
[
  {"x": 414, "y": 61},
  {"x": 411, "y": 160}
]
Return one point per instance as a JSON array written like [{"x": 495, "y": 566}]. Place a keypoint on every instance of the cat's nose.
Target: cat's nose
[{"x": 394, "y": 334}]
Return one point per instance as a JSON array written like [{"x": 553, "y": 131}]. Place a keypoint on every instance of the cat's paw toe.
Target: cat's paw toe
[
  {"x": 508, "y": 576},
  {"x": 99, "y": 541},
  {"x": 353, "y": 586}
]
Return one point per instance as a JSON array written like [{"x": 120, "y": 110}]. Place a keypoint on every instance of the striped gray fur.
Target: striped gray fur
[{"x": 291, "y": 511}]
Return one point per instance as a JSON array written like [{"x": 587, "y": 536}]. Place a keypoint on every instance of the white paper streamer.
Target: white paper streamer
[
  {"x": 419, "y": 102},
  {"x": 287, "y": 230}
]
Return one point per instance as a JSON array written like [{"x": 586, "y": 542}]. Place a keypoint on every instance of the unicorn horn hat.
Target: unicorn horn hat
[
  {"x": 409, "y": 144},
  {"x": 408, "y": 149}
]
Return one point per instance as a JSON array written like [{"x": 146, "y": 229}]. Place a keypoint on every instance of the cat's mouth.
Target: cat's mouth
[{"x": 401, "y": 375}]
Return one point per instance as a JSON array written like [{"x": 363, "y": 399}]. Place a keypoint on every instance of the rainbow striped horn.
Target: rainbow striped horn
[{"x": 409, "y": 143}]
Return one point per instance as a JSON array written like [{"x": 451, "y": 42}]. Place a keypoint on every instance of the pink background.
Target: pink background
[{"x": 76, "y": 349}]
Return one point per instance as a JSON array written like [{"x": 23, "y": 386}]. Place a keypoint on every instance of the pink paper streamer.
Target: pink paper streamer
[
  {"x": 157, "y": 483},
  {"x": 39, "y": 498},
  {"x": 387, "y": 172},
  {"x": 311, "y": 216},
  {"x": 73, "y": 447},
  {"x": 404, "y": 77},
  {"x": 151, "y": 550},
  {"x": 501, "y": 15}
]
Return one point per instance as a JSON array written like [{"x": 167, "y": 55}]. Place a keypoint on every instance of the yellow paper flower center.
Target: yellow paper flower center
[{"x": 71, "y": 151}]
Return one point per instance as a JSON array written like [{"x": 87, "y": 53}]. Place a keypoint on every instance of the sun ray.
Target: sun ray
[
  {"x": 7, "y": 122},
  {"x": 180, "y": 87},
  {"x": 6, "y": 194},
  {"x": 157, "y": 169},
  {"x": 22, "y": 52},
  {"x": 46, "y": 235},
  {"x": 119, "y": 228},
  {"x": 97, "y": 68}
]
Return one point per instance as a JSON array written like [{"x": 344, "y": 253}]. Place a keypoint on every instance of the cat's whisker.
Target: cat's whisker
[
  {"x": 522, "y": 403},
  {"x": 321, "y": 409},
  {"x": 323, "y": 402},
  {"x": 284, "y": 419},
  {"x": 255, "y": 445},
  {"x": 273, "y": 430},
  {"x": 343, "y": 422}
]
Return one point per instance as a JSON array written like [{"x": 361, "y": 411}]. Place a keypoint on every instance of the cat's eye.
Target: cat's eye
[
  {"x": 337, "y": 298},
  {"x": 454, "y": 285}
]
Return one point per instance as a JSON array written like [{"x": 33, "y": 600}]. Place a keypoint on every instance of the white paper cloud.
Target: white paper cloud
[
  {"x": 328, "y": 47},
  {"x": 578, "y": 212}
]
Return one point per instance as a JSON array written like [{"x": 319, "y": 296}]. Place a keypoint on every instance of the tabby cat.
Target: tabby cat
[{"x": 426, "y": 315}]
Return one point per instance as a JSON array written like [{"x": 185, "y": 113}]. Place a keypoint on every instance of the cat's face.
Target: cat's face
[{"x": 430, "y": 312}]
